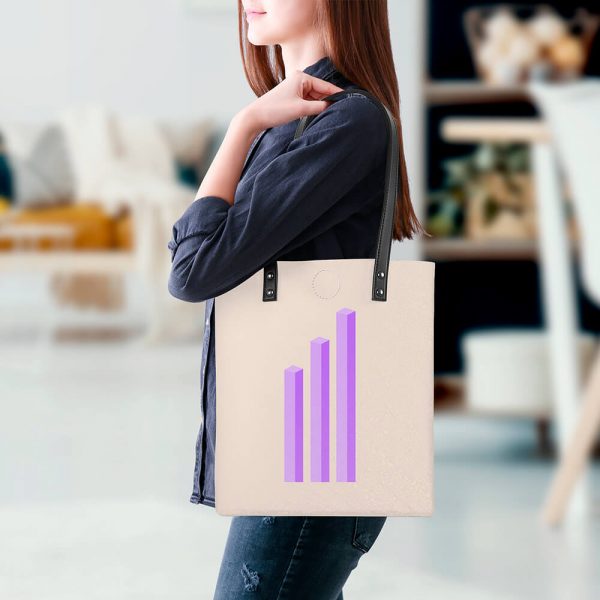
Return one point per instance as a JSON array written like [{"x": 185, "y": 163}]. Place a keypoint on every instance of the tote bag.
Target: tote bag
[{"x": 324, "y": 382}]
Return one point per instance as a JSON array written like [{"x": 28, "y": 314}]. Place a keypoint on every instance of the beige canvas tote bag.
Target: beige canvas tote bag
[{"x": 324, "y": 382}]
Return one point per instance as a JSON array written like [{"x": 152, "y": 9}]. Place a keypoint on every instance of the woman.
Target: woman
[{"x": 268, "y": 196}]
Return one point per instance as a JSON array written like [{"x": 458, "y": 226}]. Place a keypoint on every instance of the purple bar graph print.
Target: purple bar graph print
[
  {"x": 293, "y": 418},
  {"x": 346, "y": 394},
  {"x": 319, "y": 409}
]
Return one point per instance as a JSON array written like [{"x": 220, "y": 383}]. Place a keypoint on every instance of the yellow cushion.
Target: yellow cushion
[{"x": 93, "y": 228}]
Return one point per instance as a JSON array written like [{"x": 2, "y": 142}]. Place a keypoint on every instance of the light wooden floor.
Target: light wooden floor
[{"x": 96, "y": 459}]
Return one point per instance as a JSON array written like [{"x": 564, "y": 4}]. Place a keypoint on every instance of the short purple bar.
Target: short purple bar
[
  {"x": 319, "y": 409},
  {"x": 293, "y": 430},
  {"x": 346, "y": 394}
]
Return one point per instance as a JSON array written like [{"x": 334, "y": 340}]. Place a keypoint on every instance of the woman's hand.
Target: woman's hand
[{"x": 297, "y": 95}]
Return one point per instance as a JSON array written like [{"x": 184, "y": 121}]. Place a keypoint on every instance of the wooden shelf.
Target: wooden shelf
[
  {"x": 473, "y": 130},
  {"x": 466, "y": 249},
  {"x": 471, "y": 91}
]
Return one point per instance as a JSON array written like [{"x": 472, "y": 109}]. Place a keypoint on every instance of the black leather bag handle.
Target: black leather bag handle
[{"x": 386, "y": 224}]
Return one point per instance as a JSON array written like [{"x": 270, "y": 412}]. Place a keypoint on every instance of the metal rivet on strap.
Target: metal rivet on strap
[
  {"x": 269, "y": 292},
  {"x": 270, "y": 275},
  {"x": 379, "y": 292},
  {"x": 381, "y": 274}
]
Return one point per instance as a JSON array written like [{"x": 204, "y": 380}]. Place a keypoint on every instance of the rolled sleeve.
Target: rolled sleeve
[
  {"x": 216, "y": 246},
  {"x": 201, "y": 218}
]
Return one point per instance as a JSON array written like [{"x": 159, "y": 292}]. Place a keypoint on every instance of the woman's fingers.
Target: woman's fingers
[
  {"x": 312, "y": 90},
  {"x": 314, "y": 96},
  {"x": 316, "y": 88},
  {"x": 314, "y": 107},
  {"x": 323, "y": 87},
  {"x": 295, "y": 96}
]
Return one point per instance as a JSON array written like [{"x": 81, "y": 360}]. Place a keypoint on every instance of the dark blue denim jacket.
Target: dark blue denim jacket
[{"x": 316, "y": 197}]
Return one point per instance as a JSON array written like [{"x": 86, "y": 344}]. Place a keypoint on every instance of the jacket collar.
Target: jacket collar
[{"x": 322, "y": 68}]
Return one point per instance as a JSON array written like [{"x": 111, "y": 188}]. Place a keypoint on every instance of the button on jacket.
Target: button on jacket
[{"x": 319, "y": 196}]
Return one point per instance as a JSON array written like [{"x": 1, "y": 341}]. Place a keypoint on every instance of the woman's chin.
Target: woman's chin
[{"x": 261, "y": 38}]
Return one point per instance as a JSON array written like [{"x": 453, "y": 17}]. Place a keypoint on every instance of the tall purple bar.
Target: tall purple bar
[
  {"x": 293, "y": 430},
  {"x": 319, "y": 409},
  {"x": 346, "y": 394}
]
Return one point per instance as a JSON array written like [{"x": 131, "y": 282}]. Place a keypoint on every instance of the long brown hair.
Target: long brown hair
[{"x": 356, "y": 36}]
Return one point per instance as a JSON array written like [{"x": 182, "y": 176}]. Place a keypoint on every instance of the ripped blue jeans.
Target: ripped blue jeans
[{"x": 273, "y": 558}]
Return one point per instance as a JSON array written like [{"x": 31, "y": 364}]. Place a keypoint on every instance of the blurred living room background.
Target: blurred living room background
[{"x": 110, "y": 114}]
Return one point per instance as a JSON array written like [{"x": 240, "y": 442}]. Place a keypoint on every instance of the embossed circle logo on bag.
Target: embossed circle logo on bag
[
  {"x": 345, "y": 364},
  {"x": 325, "y": 284}
]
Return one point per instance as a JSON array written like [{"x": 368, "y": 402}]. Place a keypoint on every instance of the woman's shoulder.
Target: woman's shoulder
[{"x": 353, "y": 110}]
